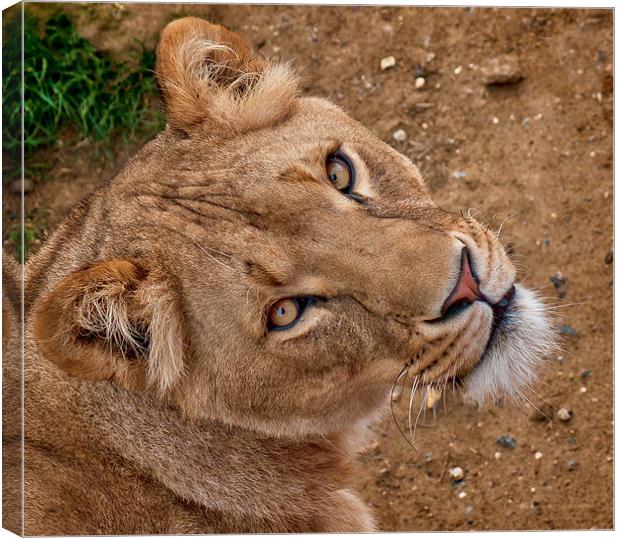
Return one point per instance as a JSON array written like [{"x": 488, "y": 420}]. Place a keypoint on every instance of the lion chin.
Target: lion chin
[{"x": 516, "y": 349}]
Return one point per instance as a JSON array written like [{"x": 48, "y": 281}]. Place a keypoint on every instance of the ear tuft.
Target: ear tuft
[
  {"x": 113, "y": 320},
  {"x": 210, "y": 76}
]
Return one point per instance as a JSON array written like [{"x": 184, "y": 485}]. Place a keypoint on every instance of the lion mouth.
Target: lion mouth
[
  {"x": 501, "y": 317},
  {"x": 520, "y": 339}
]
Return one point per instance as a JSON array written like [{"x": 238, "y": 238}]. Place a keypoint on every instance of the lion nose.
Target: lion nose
[{"x": 466, "y": 290}]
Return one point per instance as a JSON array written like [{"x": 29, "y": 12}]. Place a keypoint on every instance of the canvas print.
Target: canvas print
[{"x": 306, "y": 269}]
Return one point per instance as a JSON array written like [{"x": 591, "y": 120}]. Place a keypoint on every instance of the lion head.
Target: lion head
[{"x": 268, "y": 262}]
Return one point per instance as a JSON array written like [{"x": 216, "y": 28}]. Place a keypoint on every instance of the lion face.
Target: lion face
[{"x": 268, "y": 262}]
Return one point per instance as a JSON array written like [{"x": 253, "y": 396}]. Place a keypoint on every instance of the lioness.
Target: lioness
[{"x": 209, "y": 334}]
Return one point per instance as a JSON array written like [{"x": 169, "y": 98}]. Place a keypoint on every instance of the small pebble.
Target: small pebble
[
  {"x": 506, "y": 441},
  {"x": 583, "y": 389},
  {"x": 584, "y": 374},
  {"x": 458, "y": 70},
  {"x": 571, "y": 465},
  {"x": 567, "y": 330},
  {"x": 428, "y": 457},
  {"x": 538, "y": 455},
  {"x": 609, "y": 257},
  {"x": 462, "y": 495},
  {"x": 456, "y": 473},
  {"x": 15, "y": 187},
  {"x": 503, "y": 69},
  {"x": 497, "y": 455},
  {"x": 565, "y": 414},
  {"x": 400, "y": 135},
  {"x": 559, "y": 283},
  {"x": 495, "y": 120},
  {"x": 388, "y": 62},
  {"x": 420, "y": 82}
]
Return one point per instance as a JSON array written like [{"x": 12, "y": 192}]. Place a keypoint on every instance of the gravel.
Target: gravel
[
  {"x": 565, "y": 414},
  {"x": 388, "y": 62},
  {"x": 400, "y": 135},
  {"x": 567, "y": 330},
  {"x": 504, "y": 69},
  {"x": 15, "y": 187},
  {"x": 506, "y": 441},
  {"x": 457, "y": 474},
  {"x": 559, "y": 283}
]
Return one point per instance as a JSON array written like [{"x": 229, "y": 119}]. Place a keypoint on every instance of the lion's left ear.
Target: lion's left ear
[
  {"x": 211, "y": 77},
  {"x": 113, "y": 320}
]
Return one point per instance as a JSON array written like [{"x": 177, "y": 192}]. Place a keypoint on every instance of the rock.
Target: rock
[
  {"x": 388, "y": 62},
  {"x": 462, "y": 495},
  {"x": 399, "y": 135},
  {"x": 567, "y": 330},
  {"x": 538, "y": 455},
  {"x": 609, "y": 257},
  {"x": 506, "y": 441},
  {"x": 559, "y": 283},
  {"x": 457, "y": 474},
  {"x": 15, "y": 187},
  {"x": 420, "y": 82},
  {"x": 571, "y": 465},
  {"x": 584, "y": 374},
  {"x": 565, "y": 414},
  {"x": 536, "y": 507},
  {"x": 428, "y": 457},
  {"x": 503, "y": 69}
]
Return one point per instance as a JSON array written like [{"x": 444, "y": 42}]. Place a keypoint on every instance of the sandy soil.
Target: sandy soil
[{"x": 538, "y": 152}]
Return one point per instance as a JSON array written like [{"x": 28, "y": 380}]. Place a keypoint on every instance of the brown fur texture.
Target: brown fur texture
[{"x": 157, "y": 399}]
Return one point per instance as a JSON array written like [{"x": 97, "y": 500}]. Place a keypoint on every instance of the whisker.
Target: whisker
[
  {"x": 528, "y": 401},
  {"x": 422, "y": 402},
  {"x": 545, "y": 401},
  {"x": 414, "y": 387},
  {"x": 404, "y": 371}
]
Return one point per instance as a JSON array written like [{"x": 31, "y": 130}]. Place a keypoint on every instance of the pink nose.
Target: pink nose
[{"x": 466, "y": 290}]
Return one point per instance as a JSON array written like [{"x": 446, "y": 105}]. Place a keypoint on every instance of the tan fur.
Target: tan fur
[
  {"x": 156, "y": 398},
  {"x": 12, "y": 427}
]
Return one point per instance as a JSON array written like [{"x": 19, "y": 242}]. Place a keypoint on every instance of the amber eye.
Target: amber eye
[
  {"x": 286, "y": 312},
  {"x": 340, "y": 172}
]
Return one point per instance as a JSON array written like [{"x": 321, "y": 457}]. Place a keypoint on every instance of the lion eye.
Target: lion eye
[
  {"x": 286, "y": 312},
  {"x": 340, "y": 172}
]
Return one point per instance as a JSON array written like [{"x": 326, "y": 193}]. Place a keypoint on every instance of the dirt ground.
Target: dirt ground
[{"x": 538, "y": 151}]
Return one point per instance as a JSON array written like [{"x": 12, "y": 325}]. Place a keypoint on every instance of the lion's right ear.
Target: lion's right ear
[
  {"x": 113, "y": 320},
  {"x": 211, "y": 78}
]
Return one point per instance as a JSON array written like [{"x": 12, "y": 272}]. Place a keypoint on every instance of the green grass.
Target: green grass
[
  {"x": 69, "y": 83},
  {"x": 14, "y": 236},
  {"x": 71, "y": 92}
]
